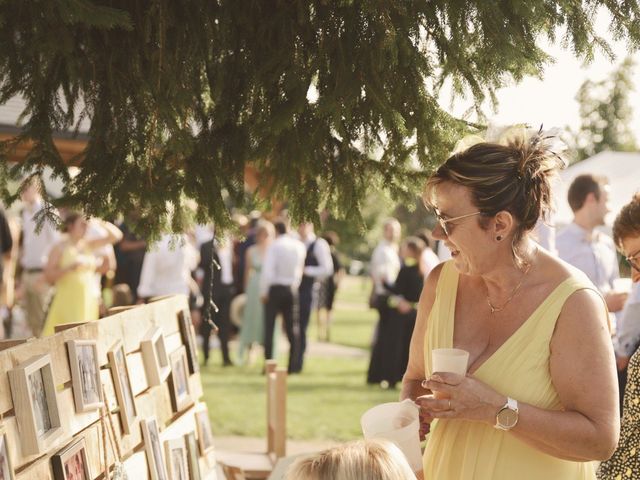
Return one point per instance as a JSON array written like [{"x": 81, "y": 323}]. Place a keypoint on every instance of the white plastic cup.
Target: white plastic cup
[
  {"x": 399, "y": 423},
  {"x": 452, "y": 360},
  {"x": 622, "y": 285}
]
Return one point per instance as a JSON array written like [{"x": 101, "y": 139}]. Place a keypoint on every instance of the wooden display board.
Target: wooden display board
[{"x": 129, "y": 327}]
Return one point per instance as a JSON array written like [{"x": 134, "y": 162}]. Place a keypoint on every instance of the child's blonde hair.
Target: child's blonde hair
[{"x": 360, "y": 460}]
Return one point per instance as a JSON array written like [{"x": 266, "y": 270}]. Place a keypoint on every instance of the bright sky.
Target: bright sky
[{"x": 551, "y": 100}]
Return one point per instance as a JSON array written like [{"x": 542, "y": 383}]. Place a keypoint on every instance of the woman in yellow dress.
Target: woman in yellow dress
[
  {"x": 71, "y": 267},
  {"x": 539, "y": 400}
]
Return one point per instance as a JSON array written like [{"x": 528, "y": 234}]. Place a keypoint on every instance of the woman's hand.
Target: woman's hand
[
  {"x": 460, "y": 397},
  {"x": 425, "y": 423}
]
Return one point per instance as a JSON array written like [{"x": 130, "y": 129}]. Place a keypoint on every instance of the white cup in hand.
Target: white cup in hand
[{"x": 451, "y": 360}]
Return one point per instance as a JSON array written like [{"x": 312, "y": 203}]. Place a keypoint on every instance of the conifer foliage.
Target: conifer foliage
[{"x": 183, "y": 94}]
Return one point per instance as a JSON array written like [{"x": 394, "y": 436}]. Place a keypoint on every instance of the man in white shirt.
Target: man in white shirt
[
  {"x": 385, "y": 260},
  {"x": 167, "y": 267},
  {"x": 428, "y": 259},
  {"x": 282, "y": 271},
  {"x": 582, "y": 246},
  {"x": 33, "y": 257},
  {"x": 318, "y": 265}
]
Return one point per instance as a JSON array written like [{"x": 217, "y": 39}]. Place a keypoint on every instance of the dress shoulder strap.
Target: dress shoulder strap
[{"x": 554, "y": 303}]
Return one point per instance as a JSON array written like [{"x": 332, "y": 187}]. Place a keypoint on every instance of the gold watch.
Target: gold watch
[{"x": 507, "y": 416}]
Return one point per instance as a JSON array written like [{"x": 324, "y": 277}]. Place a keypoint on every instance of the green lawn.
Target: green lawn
[{"x": 324, "y": 402}]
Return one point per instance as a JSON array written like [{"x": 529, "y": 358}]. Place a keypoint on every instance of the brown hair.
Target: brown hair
[
  {"x": 627, "y": 223},
  {"x": 69, "y": 219},
  {"x": 515, "y": 177},
  {"x": 582, "y": 186},
  {"x": 359, "y": 460},
  {"x": 415, "y": 245}
]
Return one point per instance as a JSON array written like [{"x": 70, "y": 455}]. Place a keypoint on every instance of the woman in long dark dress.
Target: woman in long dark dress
[{"x": 391, "y": 351}]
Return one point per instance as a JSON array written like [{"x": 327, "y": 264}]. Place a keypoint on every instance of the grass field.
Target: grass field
[{"x": 324, "y": 402}]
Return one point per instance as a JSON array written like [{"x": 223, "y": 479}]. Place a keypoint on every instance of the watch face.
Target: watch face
[{"x": 507, "y": 417}]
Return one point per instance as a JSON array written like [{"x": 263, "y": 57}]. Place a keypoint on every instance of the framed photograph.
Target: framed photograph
[
  {"x": 85, "y": 374},
  {"x": 189, "y": 339},
  {"x": 192, "y": 455},
  {"x": 122, "y": 386},
  {"x": 203, "y": 427},
  {"x": 154, "y": 356},
  {"x": 71, "y": 463},
  {"x": 6, "y": 467},
  {"x": 180, "y": 395},
  {"x": 35, "y": 403},
  {"x": 153, "y": 449},
  {"x": 176, "y": 453}
]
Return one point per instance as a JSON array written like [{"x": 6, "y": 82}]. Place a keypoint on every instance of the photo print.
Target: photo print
[{"x": 85, "y": 374}]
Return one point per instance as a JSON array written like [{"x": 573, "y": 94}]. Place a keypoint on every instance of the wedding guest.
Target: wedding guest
[
  {"x": 252, "y": 330},
  {"x": 384, "y": 268},
  {"x": 281, "y": 275},
  {"x": 390, "y": 353},
  {"x": 586, "y": 248},
  {"x": 528, "y": 406},
  {"x": 328, "y": 288},
  {"x": 71, "y": 267},
  {"x": 36, "y": 244},
  {"x": 220, "y": 289},
  {"x": 625, "y": 462},
  {"x": 360, "y": 460},
  {"x": 318, "y": 266},
  {"x": 129, "y": 253},
  {"x": 428, "y": 259},
  {"x": 167, "y": 267}
]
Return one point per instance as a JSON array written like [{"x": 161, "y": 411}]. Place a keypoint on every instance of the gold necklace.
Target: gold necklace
[{"x": 495, "y": 309}]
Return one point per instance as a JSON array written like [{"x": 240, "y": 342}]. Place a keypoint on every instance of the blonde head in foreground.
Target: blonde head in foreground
[{"x": 360, "y": 460}]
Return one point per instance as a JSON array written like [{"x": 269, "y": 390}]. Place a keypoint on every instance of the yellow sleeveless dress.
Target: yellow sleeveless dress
[
  {"x": 75, "y": 299},
  {"x": 465, "y": 450}
]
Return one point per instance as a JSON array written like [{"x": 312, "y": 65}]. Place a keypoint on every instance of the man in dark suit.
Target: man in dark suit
[{"x": 213, "y": 263}]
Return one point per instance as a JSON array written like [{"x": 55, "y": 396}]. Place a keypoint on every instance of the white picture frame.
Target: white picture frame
[
  {"x": 177, "y": 464},
  {"x": 122, "y": 386},
  {"x": 179, "y": 385},
  {"x": 35, "y": 403},
  {"x": 193, "y": 457},
  {"x": 154, "y": 357},
  {"x": 203, "y": 427},
  {"x": 189, "y": 339},
  {"x": 85, "y": 374},
  {"x": 153, "y": 449},
  {"x": 6, "y": 463}
]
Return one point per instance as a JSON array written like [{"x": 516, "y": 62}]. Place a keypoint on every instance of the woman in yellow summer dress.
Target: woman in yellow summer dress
[
  {"x": 71, "y": 267},
  {"x": 540, "y": 397}
]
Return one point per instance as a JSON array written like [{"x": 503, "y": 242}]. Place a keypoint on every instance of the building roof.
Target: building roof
[{"x": 10, "y": 114}]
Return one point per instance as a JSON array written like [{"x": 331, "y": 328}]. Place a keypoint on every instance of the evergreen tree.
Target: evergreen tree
[
  {"x": 183, "y": 94},
  {"x": 606, "y": 114}
]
